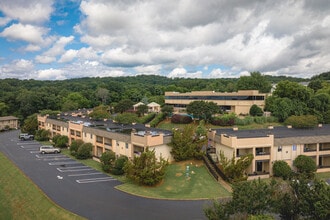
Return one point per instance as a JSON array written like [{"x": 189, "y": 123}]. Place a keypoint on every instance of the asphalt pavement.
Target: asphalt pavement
[{"x": 87, "y": 192}]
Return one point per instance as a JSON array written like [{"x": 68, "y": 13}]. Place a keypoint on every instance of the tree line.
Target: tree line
[{"x": 22, "y": 98}]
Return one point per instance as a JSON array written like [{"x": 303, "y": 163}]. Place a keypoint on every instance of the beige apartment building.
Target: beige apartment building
[
  {"x": 238, "y": 102},
  {"x": 274, "y": 143},
  {"x": 128, "y": 141},
  {"x": 8, "y": 122},
  {"x": 266, "y": 145}
]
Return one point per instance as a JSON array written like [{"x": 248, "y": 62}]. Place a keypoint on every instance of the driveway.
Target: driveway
[{"x": 87, "y": 192}]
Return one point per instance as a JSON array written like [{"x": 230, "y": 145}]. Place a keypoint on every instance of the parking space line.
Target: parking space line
[
  {"x": 34, "y": 152},
  {"x": 56, "y": 158},
  {"x": 95, "y": 180},
  {"x": 85, "y": 174},
  {"x": 50, "y": 155},
  {"x": 62, "y": 163}
]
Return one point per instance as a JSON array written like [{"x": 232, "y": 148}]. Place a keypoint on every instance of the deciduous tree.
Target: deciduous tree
[{"x": 146, "y": 169}]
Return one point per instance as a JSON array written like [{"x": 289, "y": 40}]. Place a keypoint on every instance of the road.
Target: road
[{"x": 87, "y": 192}]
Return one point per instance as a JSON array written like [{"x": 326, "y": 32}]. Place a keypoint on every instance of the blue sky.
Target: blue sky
[{"x": 55, "y": 40}]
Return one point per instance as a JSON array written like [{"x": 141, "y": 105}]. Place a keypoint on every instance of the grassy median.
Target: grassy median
[
  {"x": 181, "y": 182},
  {"x": 20, "y": 198}
]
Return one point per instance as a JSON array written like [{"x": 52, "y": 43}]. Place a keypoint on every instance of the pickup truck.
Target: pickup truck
[{"x": 26, "y": 136}]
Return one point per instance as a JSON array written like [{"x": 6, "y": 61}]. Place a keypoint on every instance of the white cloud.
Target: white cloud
[
  {"x": 182, "y": 73},
  {"x": 17, "y": 69},
  {"x": 56, "y": 50},
  {"x": 172, "y": 37},
  {"x": 4, "y": 21},
  {"x": 50, "y": 74},
  {"x": 29, "y": 33},
  {"x": 27, "y": 11}
]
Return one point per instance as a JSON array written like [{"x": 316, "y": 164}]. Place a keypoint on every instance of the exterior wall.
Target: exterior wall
[
  {"x": 102, "y": 140},
  {"x": 10, "y": 122},
  {"x": 236, "y": 106}
]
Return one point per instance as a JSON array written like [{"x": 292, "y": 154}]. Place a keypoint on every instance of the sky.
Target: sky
[{"x": 63, "y": 39}]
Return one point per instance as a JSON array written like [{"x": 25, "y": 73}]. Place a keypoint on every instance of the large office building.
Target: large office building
[{"x": 238, "y": 102}]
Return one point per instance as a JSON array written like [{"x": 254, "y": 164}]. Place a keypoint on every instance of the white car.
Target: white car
[{"x": 49, "y": 149}]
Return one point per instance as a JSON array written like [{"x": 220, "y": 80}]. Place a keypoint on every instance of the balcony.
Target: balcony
[{"x": 310, "y": 147}]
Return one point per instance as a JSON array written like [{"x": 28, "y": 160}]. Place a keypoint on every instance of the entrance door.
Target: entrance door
[{"x": 259, "y": 166}]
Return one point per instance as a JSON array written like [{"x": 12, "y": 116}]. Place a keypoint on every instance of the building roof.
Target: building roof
[
  {"x": 278, "y": 132},
  {"x": 153, "y": 104},
  {"x": 5, "y": 118},
  {"x": 138, "y": 104}
]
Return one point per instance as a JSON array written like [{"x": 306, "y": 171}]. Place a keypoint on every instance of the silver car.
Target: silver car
[{"x": 49, "y": 149}]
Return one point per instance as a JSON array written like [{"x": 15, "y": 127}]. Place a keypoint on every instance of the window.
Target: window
[
  {"x": 279, "y": 149},
  {"x": 126, "y": 145}
]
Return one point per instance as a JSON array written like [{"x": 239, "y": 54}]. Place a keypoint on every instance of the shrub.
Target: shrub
[
  {"x": 84, "y": 151},
  {"x": 224, "y": 120},
  {"x": 75, "y": 146},
  {"x": 282, "y": 169},
  {"x": 160, "y": 117},
  {"x": 181, "y": 119},
  {"x": 256, "y": 110},
  {"x": 107, "y": 159},
  {"x": 60, "y": 141},
  {"x": 118, "y": 168},
  {"x": 42, "y": 135},
  {"x": 302, "y": 121},
  {"x": 305, "y": 165},
  {"x": 147, "y": 118},
  {"x": 260, "y": 119}
]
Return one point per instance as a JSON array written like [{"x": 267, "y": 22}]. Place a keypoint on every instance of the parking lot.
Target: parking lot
[{"x": 88, "y": 192}]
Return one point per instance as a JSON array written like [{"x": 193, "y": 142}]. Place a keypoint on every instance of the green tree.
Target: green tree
[
  {"x": 30, "y": 124},
  {"x": 167, "y": 110},
  {"x": 235, "y": 169},
  {"x": 255, "y": 81},
  {"x": 127, "y": 118},
  {"x": 3, "y": 109},
  {"x": 203, "y": 110},
  {"x": 60, "y": 141},
  {"x": 75, "y": 100},
  {"x": 305, "y": 165},
  {"x": 146, "y": 169},
  {"x": 293, "y": 91},
  {"x": 249, "y": 198},
  {"x": 315, "y": 84},
  {"x": 256, "y": 110},
  {"x": 118, "y": 168},
  {"x": 100, "y": 112},
  {"x": 75, "y": 144},
  {"x": 103, "y": 94},
  {"x": 141, "y": 110},
  {"x": 107, "y": 159},
  {"x": 186, "y": 144},
  {"x": 123, "y": 105},
  {"x": 304, "y": 200},
  {"x": 84, "y": 151},
  {"x": 302, "y": 121},
  {"x": 42, "y": 135},
  {"x": 282, "y": 169}
]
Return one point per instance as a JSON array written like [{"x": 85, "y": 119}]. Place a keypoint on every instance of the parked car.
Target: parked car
[
  {"x": 25, "y": 136},
  {"x": 47, "y": 149}
]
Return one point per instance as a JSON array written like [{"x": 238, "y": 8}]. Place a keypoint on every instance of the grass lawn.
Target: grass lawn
[
  {"x": 177, "y": 185},
  {"x": 324, "y": 175},
  {"x": 20, "y": 198}
]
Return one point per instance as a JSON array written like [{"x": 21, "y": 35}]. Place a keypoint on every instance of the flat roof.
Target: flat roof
[{"x": 278, "y": 132}]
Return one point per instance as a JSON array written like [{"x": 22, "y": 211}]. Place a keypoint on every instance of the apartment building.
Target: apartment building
[
  {"x": 238, "y": 102},
  {"x": 127, "y": 140},
  {"x": 274, "y": 143},
  {"x": 8, "y": 122}
]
